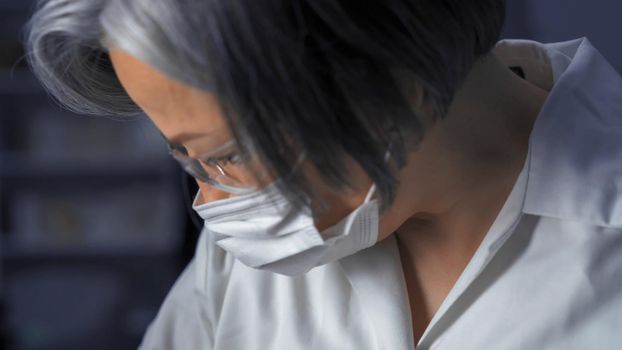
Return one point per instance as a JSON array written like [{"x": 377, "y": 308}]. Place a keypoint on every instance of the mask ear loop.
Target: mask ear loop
[
  {"x": 350, "y": 218},
  {"x": 372, "y": 189},
  {"x": 370, "y": 193},
  {"x": 368, "y": 196}
]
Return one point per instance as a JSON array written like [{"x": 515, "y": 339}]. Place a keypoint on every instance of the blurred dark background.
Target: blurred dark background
[{"x": 95, "y": 223}]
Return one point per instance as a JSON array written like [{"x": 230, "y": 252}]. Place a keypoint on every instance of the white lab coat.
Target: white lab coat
[{"x": 548, "y": 274}]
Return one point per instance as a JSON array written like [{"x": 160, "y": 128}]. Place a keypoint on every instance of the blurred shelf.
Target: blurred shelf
[
  {"x": 127, "y": 219},
  {"x": 18, "y": 165},
  {"x": 11, "y": 252},
  {"x": 91, "y": 214}
]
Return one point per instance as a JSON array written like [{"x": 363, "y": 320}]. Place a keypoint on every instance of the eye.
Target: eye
[{"x": 231, "y": 158}]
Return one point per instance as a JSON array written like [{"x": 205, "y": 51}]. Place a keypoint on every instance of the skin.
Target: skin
[{"x": 450, "y": 192}]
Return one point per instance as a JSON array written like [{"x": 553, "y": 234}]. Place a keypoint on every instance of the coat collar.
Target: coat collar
[
  {"x": 572, "y": 171},
  {"x": 575, "y": 169}
]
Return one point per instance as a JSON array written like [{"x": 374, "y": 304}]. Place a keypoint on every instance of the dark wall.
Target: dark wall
[{"x": 560, "y": 20}]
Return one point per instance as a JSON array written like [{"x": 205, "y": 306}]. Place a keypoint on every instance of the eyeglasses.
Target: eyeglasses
[{"x": 225, "y": 168}]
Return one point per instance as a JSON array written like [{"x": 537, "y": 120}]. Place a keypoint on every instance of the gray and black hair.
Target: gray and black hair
[{"x": 330, "y": 78}]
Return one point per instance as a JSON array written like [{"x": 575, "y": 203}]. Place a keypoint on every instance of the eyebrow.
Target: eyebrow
[
  {"x": 179, "y": 138},
  {"x": 183, "y": 137}
]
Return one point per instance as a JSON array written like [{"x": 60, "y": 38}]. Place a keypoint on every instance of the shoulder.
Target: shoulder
[
  {"x": 188, "y": 315},
  {"x": 183, "y": 320}
]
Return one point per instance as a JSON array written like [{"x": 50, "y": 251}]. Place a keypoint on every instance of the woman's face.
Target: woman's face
[{"x": 192, "y": 117}]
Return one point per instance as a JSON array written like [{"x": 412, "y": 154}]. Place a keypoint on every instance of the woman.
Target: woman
[{"x": 372, "y": 175}]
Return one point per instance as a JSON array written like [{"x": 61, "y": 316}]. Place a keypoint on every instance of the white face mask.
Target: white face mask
[{"x": 256, "y": 229}]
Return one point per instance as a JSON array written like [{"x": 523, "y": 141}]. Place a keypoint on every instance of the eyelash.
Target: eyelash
[{"x": 229, "y": 158}]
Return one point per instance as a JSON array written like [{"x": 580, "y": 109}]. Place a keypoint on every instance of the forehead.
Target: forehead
[{"x": 173, "y": 106}]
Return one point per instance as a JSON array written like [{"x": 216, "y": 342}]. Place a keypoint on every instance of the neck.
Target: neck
[{"x": 467, "y": 162}]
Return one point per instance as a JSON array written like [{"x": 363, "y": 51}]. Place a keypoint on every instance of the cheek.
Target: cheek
[
  {"x": 209, "y": 193},
  {"x": 339, "y": 203},
  {"x": 335, "y": 211},
  {"x": 254, "y": 174}
]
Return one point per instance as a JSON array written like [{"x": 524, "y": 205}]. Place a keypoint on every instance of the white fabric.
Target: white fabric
[
  {"x": 262, "y": 230},
  {"x": 548, "y": 274}
]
